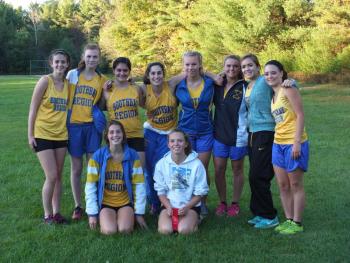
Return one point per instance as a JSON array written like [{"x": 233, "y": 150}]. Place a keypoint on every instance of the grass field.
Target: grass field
[{"x": 24, "y": 238}]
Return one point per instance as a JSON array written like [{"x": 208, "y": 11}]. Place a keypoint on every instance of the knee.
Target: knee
[
  {"x": 238, "y": 172},
  {"x": 125, "y": 229},
  {"x": 164, "y": 230},
  {"x": 296, "y": 186},
  {"x": 52, "y": 178},
  {"x": 108, "y": 232},
  {"x": 185, "y": 230},
  {"x": 284, "y": 187}
]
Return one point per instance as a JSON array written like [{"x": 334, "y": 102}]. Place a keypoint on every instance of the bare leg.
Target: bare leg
[
  {"x": 60, "y": 153},
  {"x": 205, "y": 158},
  {"x": 297, "y": 189},
  {"x": 76, "y": 170},
  {"x": 164, "y": 223},
  {"x": 47, "y": 160},
  {"x": 285, "y": 191},
  {"x": 125, "y": 220},
  {"x": 188, "y": 223},
  {"x": 220, "y": 179},
  {"x": 238, "y": 179},
  {"x": 108, "y": 221}
]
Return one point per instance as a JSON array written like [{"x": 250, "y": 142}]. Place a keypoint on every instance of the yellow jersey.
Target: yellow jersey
[
  {"x": 285, "y": 119},
  {"x": 122, "y": 105},
  {"x": 115, "y": 193},
  {"x": 50, "y": 122},
  {"x": 85, "y": 94},
  {"x": 161, "y": 110}
]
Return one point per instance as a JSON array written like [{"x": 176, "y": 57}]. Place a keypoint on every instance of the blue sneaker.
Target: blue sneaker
[
  {"x": 265, "y": 223},
  {"x": 254, "y": 220}
]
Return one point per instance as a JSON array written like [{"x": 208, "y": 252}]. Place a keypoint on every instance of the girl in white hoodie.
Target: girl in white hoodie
[{"x": 180, "y": 181}]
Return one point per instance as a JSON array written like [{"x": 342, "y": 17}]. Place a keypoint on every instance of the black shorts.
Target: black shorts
[
  {"x": 116, "y": 208},
  {"x": 43, "y": 144},
  {"x": 138, "y": 144},
  {"x": 197, "y": 209}
]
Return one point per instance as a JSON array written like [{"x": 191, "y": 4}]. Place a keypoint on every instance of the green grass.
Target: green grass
[{"x": 327, "y": 215}]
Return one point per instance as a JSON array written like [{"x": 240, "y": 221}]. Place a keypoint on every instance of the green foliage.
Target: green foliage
[
  {"x": 308, "y": 36},
  {"x": 14, "y": 39},
  {"x": 91, "y": 16}
]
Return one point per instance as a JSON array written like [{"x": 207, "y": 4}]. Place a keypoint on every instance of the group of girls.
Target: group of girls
[{"x": 177, "y": 182}]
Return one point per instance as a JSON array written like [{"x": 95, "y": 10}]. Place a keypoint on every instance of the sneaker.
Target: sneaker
[
  {"x": 293, "y": 228},
  {"x": 221, "y": 209},
  {"x": 254, "y": 220},
  {"x": 77, "y": 213},
  {"x": 59, "y": 219},
  {"x": 233, "y": 210},
  {"x": 48, "y": 220},
  {"x": 283, "y": 226},
  {"x": 265, "y": 223},
  {"x": 204, "y": 210}
]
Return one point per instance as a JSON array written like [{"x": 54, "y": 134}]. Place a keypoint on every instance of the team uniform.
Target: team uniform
[
  {"x": 261, "y": 135},
  {"x": 161, "y": 119},
  {"x": 230, "y": 122},
  {"x": 115, "y": 184},
  {"x": 195, "y": 117},
  {"x": 122, "y": 105},
  {"x": 50, "y": 131},
  {"x": 285, "y": 129},
  {"x": 83, "y": 135},
  {"x": 179, "y": 182}
]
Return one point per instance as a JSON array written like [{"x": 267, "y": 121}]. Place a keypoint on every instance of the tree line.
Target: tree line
[{"x": 311, "y": 36}]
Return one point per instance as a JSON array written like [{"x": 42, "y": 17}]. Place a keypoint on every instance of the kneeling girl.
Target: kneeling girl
[
  {"x": 115, "y": 190},
  {"x": 180, "y": 181}
]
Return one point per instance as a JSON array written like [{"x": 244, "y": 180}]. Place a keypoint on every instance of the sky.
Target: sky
[{"x": 23, "y": 3}]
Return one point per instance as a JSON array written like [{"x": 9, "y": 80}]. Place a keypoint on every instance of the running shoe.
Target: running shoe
[
  {"x": 233, "y": 210},
  {"x": 221, "y": 209},
  {"x": 254, "y": 220},
  {"x": 265, "y": 223},
  {"x": 77, "y": 213},
  {"x": 283, "y": 226},
  {"x": 59, "y": 219},
  {"x": 292, "y": 229},
  {"x": 48, "y": 220}
]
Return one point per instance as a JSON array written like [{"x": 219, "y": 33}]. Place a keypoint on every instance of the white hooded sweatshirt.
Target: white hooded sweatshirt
[{"x": 180, "y": 182}]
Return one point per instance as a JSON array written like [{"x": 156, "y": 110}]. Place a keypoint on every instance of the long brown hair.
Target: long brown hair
[
  {"x": 118, "y": 123},
  {"x": 60, "y": 52}
]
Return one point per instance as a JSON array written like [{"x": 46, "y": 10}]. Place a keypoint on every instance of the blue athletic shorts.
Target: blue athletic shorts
[
  {"x": 202, "y": 143},
  {"x": 83, "y": 138},
  {"x": 282, "y": 157},
  {"x": 224, "y": 151}
]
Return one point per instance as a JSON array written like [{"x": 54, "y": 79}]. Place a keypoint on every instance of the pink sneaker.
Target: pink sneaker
[
  {"x": 233, "y": 210},
  {"x": 221, "y": 209}
]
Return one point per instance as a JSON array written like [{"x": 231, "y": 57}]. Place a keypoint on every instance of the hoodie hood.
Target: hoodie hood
[{"x": 191, "y": 157}]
